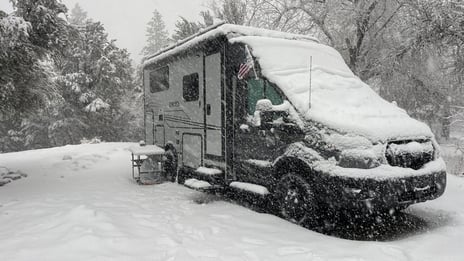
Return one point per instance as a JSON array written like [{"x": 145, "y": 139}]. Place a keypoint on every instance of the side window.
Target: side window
[
  {"x": 255, "y": 93},
  {"x": 260, "y": 89},
  {"x": 271, "y": 93},
  {"x": 191, "y": 89},
  {"x": 159, "y": 80}
]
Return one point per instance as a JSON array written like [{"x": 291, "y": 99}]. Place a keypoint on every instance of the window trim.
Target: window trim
[
  {"x": 191, "y": 79},
  {"x": 165, "y": 76}
]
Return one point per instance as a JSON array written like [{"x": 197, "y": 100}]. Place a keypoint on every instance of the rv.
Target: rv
[{"x": 282, "y": 116}]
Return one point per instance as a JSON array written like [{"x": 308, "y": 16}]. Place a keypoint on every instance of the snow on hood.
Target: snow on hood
[{"x": 340, "y": 100}]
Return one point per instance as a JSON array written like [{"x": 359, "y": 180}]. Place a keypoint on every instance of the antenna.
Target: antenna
[{"x": 310, "y": 78}]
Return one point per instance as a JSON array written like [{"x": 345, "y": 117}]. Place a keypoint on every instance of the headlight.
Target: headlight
[{"x": 359, "y": 159}]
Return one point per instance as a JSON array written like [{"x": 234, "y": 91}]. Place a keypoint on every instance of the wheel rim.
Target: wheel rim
[{"x": 296, "y": 200}]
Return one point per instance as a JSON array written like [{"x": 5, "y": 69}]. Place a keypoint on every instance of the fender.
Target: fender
[{"x": 297, "y": 157}]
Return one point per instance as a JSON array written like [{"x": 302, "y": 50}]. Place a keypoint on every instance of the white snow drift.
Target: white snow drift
[{"x": 87, "y": 207}]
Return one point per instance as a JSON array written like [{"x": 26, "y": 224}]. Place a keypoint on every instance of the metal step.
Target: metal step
[
  {"x": 200, "y": 185},
  {"x": 210, "y": 175},
  {"x": 197, "y": 184},
  {"x": 250, "y": 187}
]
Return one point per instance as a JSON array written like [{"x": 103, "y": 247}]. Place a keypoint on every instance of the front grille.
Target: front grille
[
  {"x": 416, "y": 188},
  {"x": 410, "y": 154}
]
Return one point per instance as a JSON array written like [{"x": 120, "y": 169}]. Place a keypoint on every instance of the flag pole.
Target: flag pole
[
  {"x": 310, "y": 78},
  {"x": 253, "y": 62}
]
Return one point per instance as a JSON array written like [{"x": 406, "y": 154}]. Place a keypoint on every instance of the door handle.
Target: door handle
[{"x": 208, "y": 109}]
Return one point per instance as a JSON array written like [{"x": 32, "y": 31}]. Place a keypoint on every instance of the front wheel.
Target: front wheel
[{"x": 296, "y": 200}]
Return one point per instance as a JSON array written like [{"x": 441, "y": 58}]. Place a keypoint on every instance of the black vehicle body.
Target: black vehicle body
[{"x": 203, "y": 113}]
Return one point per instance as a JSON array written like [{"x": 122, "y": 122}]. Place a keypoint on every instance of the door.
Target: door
[
  {"x": 255, "y": 148},
  {"x": 213, "y": 105},
  {"x": 192, "y": 146},
  {"x": 185, "y": 116},
  {"x": 159, "y": 135}
]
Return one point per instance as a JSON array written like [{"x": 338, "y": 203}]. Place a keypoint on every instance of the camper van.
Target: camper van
[{"x": 282, "y": 116}]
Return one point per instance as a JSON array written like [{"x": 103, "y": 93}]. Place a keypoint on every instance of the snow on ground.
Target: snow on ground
[
  {"x": 79, "y": 203},
  {"x": 453, "y": 157}
]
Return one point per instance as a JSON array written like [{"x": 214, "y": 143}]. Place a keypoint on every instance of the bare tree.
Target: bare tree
[{"x": 230, "y": 11}]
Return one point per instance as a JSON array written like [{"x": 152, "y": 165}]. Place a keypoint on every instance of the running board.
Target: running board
[
  {"x": 251, "y": 194},
  {"x": 200, "y": 185},
  {"x": 250, "y": 187},
  {"x": 213, "y": 176}
]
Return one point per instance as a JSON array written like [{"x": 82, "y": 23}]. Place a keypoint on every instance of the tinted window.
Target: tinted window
[
  {"x": 272, "y": 94},
  {"x": 159, "y": 80},
  {"x": 191, "y": 90},
  {"x": 255, "y": 93},
  {"x": 259, "y": 89}
]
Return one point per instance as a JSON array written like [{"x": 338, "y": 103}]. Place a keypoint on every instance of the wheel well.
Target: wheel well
[{"x": 291, "y": 164}]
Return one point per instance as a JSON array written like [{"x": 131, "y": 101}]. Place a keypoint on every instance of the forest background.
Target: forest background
[{"x": 63, "y": 81}]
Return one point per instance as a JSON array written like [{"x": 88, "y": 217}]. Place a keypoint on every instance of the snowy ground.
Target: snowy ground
[{"x": 79, "y": 203}]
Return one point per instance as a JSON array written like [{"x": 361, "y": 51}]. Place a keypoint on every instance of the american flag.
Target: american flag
[{"x": 247, "y": 66}]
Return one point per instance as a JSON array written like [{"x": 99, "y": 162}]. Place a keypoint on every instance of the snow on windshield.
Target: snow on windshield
[{"x": 339, "y": 99}]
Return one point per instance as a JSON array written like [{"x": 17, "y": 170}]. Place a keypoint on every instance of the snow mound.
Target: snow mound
[
  {"x": 101, "y": 214},
  {"x": 197, "y": 184},
  {"x": 339, "y": 99},
  {"x": 7, "y": 176}
]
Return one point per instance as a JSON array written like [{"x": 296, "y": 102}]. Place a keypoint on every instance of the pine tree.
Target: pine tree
[
  {"x": 157, "y": 35},
  {"x": 49, "y": 30},
  {"x": 93, "y": 80},
  {"x": 60, "y": 83},
  {"x": 208, "y": 18},
  {"x": 231, "y": 11},
  {"x": 30, "y": 38},
  {"x": 78, "y": 15},
  {"x": 185, "y": 28}
]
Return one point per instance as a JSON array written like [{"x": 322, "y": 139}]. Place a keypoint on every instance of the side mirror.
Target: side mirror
[
  {"x": 262, "y": 106},
  {"x": 269, "y": 115},
  {"x": 276, "y": 117},
  {"x": 273, "y": 119}
]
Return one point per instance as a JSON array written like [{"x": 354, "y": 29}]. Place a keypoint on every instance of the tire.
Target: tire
[
  {"x": 296, "y": 200},
  {"x": 170, "y": 164},
  {"x": 181, "y": 177}
]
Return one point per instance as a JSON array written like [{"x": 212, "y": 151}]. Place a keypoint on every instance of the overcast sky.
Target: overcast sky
[{"x": 125, "y": 20}]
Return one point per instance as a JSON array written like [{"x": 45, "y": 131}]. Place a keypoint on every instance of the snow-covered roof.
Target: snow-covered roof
[
  {"x": 217, "y": 30},
  {"x": 339, "y": 99}
]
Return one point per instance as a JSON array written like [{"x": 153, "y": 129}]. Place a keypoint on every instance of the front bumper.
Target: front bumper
[{"x": 371, "y": 194}]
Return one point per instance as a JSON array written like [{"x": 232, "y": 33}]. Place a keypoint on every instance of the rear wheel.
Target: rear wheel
[
  {"x": 181, "y": 176},
  {"x": 296, "y": 200},
  {"x": 170, "y": 163}
]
